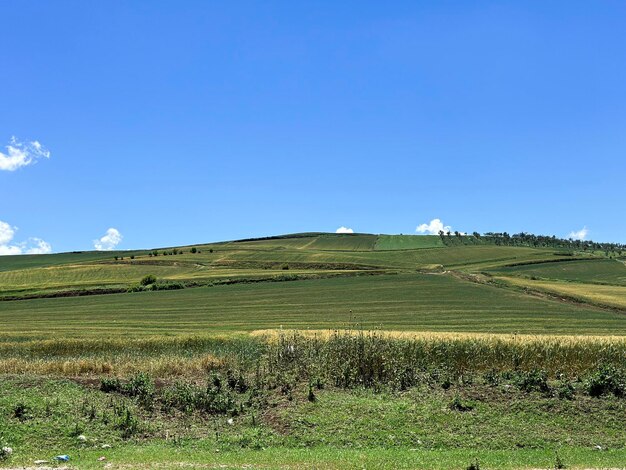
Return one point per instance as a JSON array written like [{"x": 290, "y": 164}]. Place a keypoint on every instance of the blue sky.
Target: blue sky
[{"x": 185, "y": 122}]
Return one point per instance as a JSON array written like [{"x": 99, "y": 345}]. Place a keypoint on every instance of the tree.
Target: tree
[
  {"x": 148, "y": 279},
  {"x": 193, "y": 249}
]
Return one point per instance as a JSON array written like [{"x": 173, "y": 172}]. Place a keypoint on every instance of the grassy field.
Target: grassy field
[
  {"x": 601, "y": 271},
  {"x": 124, "y": 274},
  {"x": 419, "y": 302},
  {"x": 407, "y": 242},
  {"x": 592, "y": 294},
  {"x": 520, "y": 369},
  {"x": 416, "y": 429},
  {"x": 13, "y": 262}
]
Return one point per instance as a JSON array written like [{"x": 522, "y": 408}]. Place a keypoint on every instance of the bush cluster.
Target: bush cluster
[{"x": 227, "y": 394}]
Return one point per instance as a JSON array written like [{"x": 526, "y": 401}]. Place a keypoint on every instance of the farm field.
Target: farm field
[
  {"x": 430, "y": 355},
  {"x": 407, "y": 242},
  {"x": 306, "y": 255},
  {"x": 610, "y": 296},
  {"x": 600, "y": 271},
  {"x": 418, "y": 302}
]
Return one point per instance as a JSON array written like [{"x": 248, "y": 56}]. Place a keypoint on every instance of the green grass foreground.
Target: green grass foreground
[
  {"x": 506, "y": 428},
  {"x": 164, "y": 455}
]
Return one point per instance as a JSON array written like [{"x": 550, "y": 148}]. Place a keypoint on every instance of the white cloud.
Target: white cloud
[
  {"x": 21, "y": 154},
  {"x": 6, "y": 233},
  {"x": 343, "y": 229},
  {"x": 33, "y": 246},
  {"x": 10, "y": 250},
  {"x": 41, "y": 247},
  {"x": 579, "y": 234},
  {"x": 109, "y": 241},
  {"x": 433, "y": 227}
]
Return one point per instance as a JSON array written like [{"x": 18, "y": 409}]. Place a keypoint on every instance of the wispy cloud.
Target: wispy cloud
[
  {"x": 343, "y": 229},
  {"x": 109, "y": 240},
  {"x": 433, "y": 227},
  {"x": 32, "y": 246},
  {"x": 579, "y": 234},
  {"x": 21, "y": 154}
]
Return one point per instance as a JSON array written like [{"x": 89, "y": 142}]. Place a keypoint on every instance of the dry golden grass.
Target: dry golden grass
[
  {"x": 603, "y": 295},
  {"x": 195, "y": 355},
  {"x": 274, "y": 334},
  {"x": 156, "y": 367}
]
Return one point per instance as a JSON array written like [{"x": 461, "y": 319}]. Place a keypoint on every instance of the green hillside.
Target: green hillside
[
  {"x": 299, "y": 255},
  {"x": 410, "y": 283},
  {"x": 407, "y": 242},
  {"x": 604, "y": 271},
  {"x": 418, "y": 302}
]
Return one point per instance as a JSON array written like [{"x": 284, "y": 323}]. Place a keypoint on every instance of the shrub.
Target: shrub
[
  {"x": 606, "y": 380},
  {"x": 110, "y": 385},
  {"x": 534, "y": 380},
  {"x": 136, "y": 288},
  {"x": 183, "y": 397},
  {"x": 565, "y": 390},
  {"x": 492, "y": 377},
  {"x": 140, "y": 386},
  {"x": 127, "y": 423},
  {"x": 168, "y": 285},
  {"x": 148, "y": 279},
  {"x": 193, "y": 250}
]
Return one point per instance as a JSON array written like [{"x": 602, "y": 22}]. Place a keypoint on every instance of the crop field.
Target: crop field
[
  {"x": 593, "y": 294},
  {"x": 231, "y": 354},
  {"x": 601, "y": 271},
  {"x": 120, "y": 274},
  {"x": 407, "y": 242},
  {"x": 419, "y": 302},
  {"x": 13, "y": 262}
]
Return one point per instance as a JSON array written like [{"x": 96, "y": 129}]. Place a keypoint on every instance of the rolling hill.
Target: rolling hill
[{"x": 315, "y": 280}]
